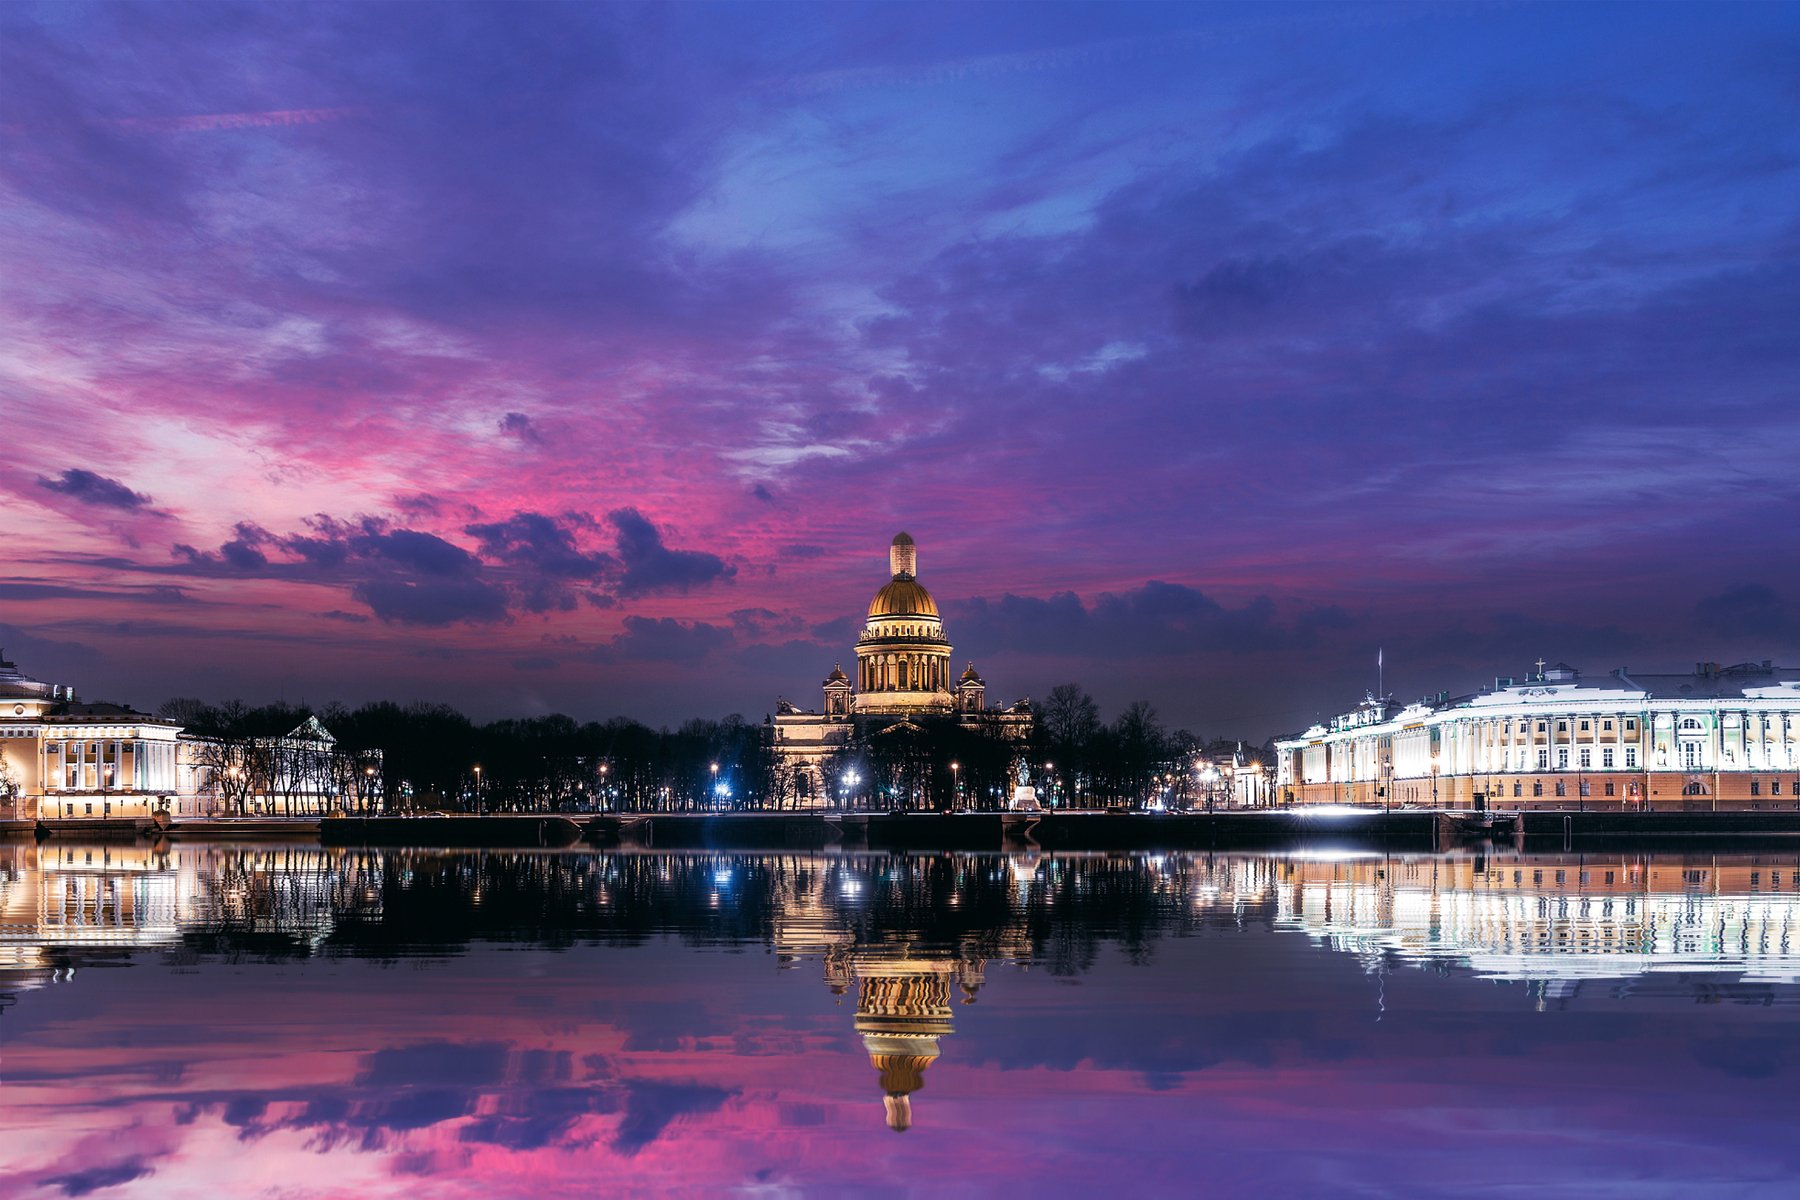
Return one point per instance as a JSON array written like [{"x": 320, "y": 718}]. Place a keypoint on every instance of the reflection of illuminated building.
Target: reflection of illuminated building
[
  {"x": 63, "y": 903},
  {"x": 902, "y": 1009},
  {"x": 1732, "y": 918}
]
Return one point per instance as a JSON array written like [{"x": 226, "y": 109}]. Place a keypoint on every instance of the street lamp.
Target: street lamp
[
  {"x": 478, "y": 789},
  {"x": 715, "y": 783},
  {"x": 1434, "y": 777},
  {"x": 1050, "y": 779},
  {"x": 956, "y": 785}
]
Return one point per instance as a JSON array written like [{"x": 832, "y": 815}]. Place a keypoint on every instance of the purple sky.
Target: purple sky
[{"x": 585, "y": 358}]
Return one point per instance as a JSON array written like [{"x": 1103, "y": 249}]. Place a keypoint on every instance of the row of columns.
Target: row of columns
[{"x": 927, "y": 672}]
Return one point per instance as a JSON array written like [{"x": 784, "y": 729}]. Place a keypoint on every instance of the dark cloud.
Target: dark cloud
[
  {"x": 24, "y": 590},
  {"x": 651, "y": 1107},
  {"x": 405, "y": 576},
  {"x": 517, "y": 424},
  {"x": 78, "y": 483},
  {"x": 1155, "y": 619},
  {"x": 1751, "y": 610},
  {"x": 663, "y": 639},
  {"x": 544, "y": 551},
  {"x": 535, "y": 662},
  {"x": 46, "y": 657},
  {"x": 651, "y": 566},
  {"x": 530, "y": 1120},
  {"x": 93, "y": 1179}
]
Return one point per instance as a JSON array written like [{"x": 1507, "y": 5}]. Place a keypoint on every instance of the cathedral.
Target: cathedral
[{"x": 904, "y": 679}]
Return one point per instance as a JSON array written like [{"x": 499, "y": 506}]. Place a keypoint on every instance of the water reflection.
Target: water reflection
[{"x": 522, "y": 1020}]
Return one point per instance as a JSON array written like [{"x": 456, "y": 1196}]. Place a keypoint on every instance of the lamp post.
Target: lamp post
[
  {"x": 1050, "y": 781},
  {"x": 478, "y": 789},
  {"x": 955, "y": 787},
  {"x": 603, "y": 796},
  {"x": 1434, "y": 778}
]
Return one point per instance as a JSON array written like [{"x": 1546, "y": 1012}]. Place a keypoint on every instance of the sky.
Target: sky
[{"x": 585, "y": 358}]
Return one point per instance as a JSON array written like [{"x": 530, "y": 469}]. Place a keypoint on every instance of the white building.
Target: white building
[
  {"x": 1721, "y": 737},
  {"x": 61, "y": 758}
]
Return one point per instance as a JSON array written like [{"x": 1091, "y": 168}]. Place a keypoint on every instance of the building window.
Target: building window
[
  {"x": 1562, "y": 787},
  {"x": 1690, "y": 755},
  {"x": 1755, "y": 787},
  {"x": 1631, "y": 758},
  {"x": 1542, "y": 726},
  {"x": 1587, "y": 789},
  {"x": 1631, "y": 726},
  {"x": 1543, "y": 760},
  {"x": 1537, "y": 787},
  {"x": 1775, "y": 788},
  {"x": 1606, "y": 726},
  {"x": 1606, "y": 758},
  {"x": 1518, "y": 789},
  {"x": 1587, "y": 758},
  {"x": 1562, "y": 727},
  {"x": 1609, "y": 787},
  {"x": 1562, "y": 759}
]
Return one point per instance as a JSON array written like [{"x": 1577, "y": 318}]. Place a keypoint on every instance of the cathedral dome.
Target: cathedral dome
[{"x": 903, "y": 598}]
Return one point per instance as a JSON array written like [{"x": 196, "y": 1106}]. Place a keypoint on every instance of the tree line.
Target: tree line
[{"x": 434, "y": 758}]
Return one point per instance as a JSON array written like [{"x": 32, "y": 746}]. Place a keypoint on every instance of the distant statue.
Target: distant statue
[{"x": 1024, "y": 796}]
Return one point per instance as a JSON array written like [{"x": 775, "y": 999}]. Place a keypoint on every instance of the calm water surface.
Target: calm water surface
[{"x": 289, "y": 1022}]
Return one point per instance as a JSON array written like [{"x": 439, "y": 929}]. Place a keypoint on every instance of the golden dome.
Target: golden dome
[{"x": 903, "y": 598}]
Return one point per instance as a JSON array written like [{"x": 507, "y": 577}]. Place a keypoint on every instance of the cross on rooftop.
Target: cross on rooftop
[{"x": 1540, "y": 667}]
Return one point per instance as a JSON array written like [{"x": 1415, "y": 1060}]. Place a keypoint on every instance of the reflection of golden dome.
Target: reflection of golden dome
[{"x": 903, "y": 598}]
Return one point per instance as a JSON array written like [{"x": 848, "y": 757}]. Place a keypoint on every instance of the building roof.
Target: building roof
[
  {"x": 1562, "y": 685},
  {"x": 16, "y": 685},
  {"x": 903, "y": 597}
]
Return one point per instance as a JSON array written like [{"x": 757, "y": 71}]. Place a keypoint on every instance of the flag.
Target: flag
[{"x": 1378, "y": 656}]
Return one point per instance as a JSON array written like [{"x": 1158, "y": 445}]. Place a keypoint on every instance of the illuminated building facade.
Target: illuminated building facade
[
  {"x": 62, "y": 758},
  {"x": 1719, "y": 738},
  {"x": 903, "y": 674}
]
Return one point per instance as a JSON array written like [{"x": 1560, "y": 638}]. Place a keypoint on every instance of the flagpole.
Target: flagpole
[{"x": 1380, "y": 675}]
